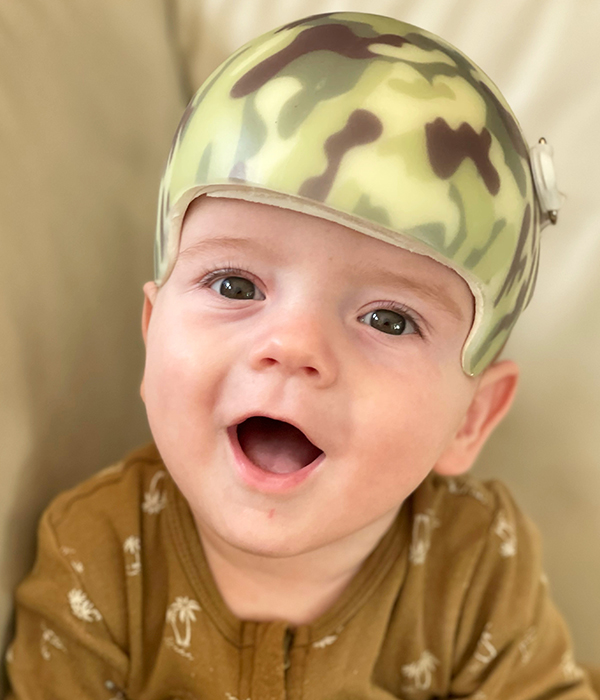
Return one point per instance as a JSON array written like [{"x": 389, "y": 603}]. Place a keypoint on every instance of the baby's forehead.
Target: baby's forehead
[{"x": 227, "y": 222}]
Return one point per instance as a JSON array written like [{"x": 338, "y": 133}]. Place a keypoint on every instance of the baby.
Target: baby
[{"x": 348, "y": 231}]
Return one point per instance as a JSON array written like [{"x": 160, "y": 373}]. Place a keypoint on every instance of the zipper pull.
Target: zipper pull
[{"x": 288, "y": 640}]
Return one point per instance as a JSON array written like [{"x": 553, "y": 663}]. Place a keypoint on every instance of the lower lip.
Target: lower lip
[{"x": 264, "y": 481}]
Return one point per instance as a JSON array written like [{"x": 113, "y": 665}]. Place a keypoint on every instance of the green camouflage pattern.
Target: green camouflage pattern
[{"x": 381, "y": 126}]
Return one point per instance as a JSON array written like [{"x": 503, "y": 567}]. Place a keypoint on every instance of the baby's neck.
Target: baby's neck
[{"x": 296, "y": 589}]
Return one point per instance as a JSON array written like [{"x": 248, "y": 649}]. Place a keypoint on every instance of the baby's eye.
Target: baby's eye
[
  {"x": 236, "y": 288},
  {"x": 391, "y": 322}
]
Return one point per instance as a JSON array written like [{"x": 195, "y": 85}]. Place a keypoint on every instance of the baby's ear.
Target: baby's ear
[
  {"x": 150, "y": 292},
  {"x": 494, "y": 396}
]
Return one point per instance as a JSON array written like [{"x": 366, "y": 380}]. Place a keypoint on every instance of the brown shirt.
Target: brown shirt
[{"x": 121, "y": 604}]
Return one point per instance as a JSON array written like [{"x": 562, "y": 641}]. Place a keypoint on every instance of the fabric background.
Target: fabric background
[{"x": 90, "y": 95}]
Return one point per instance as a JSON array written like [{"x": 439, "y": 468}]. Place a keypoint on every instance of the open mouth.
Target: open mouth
[{"x": 276, "y": 446}]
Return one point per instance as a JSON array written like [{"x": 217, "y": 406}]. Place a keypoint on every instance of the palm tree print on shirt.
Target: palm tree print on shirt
[
  {"x": 570, "y": 669},
  {"x": 423, "y": 526},
  {"x": 464, "y": 487},
  {"x": 155, "y": 500},
  {"x": 182, "y": 610},
  {"x": 486, "y": 651},
  {"x": 77, "y": 565},
  {"x": 506, "y": 532},
  {"x": 50, "y": 638},
  {"x": 526, "y": 644},
  {"x": 133, "y": 546},
  {"x": 82, "y": 607},
  {"x": 420, "y": 672},
  {"x": 118, "y": 693}
]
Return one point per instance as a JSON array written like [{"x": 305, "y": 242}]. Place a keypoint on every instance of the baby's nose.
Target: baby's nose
[{"x": 298, "y": 343}]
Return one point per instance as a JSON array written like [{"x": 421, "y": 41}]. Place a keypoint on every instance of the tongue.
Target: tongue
[{"x": 275, "y": 446}]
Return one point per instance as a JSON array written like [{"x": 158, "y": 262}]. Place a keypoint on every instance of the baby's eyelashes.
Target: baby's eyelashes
[{"x": 232, "y": 283}]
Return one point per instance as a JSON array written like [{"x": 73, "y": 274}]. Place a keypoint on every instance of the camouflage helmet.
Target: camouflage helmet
[{"x": 380, "y": 126}]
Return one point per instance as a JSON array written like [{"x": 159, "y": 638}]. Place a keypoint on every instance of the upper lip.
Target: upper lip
[{"x": 280, "y": 417}]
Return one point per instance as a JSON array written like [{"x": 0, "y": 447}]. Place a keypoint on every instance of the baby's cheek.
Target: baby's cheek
[
  {"x": 170, "y": 369},
  {"x": 412, "y": 428}
]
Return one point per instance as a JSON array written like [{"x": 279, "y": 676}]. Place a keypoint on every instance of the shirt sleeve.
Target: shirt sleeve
[
  {"x": 64, "y": 646},
  {"x": 512, "y": 643}
]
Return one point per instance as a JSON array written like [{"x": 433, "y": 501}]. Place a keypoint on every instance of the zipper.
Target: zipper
[{"x": 288, "y": 640}]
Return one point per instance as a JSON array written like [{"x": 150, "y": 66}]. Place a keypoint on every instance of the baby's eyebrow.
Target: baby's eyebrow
[
  {"x": 434, "y": 293},
  {"x": 210, "y": 245}
]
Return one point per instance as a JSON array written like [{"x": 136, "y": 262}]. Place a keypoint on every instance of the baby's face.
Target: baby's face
[{"x": 354, "y": 341}]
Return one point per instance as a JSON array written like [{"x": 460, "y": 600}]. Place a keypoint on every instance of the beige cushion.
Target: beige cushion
[
  {"x": 89, "y": 100},
  {"x": 89, "y": 97}
]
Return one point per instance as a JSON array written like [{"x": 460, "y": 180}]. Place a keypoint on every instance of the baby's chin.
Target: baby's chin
[
  {"x": 261, "y": 534},
  {"x": 277, "y": 528},
  {"x": 298, "y": 532}
]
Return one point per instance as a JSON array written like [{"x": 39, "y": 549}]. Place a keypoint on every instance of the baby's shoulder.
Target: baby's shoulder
[
  {"x": 476, "y": 498},
  {"x": 468, "y": 512},
  {"x": 112, "y": 501},
  {"x": 90, "y": 556}
]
